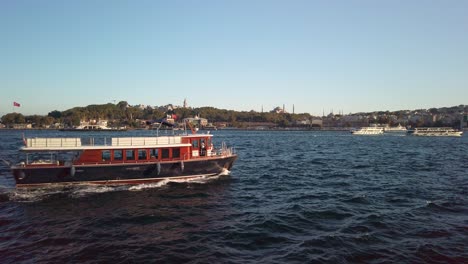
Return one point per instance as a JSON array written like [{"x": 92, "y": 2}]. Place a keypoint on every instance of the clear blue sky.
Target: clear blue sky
[{"x": 318, "y": 55}]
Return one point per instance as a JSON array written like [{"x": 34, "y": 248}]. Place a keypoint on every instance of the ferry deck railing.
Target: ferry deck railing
[{"x": 119, "y": 141}]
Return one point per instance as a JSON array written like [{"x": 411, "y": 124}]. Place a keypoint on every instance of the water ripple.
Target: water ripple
[{"x": 292, "y": 197}]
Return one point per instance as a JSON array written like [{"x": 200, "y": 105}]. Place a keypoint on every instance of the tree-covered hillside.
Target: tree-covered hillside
[{"x": 123, "y": 114}]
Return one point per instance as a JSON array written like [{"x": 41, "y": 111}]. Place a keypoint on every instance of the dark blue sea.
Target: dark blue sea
[{"x": 291, "y": 197}]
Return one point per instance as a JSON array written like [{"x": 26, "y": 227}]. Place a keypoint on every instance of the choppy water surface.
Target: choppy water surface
[{"x": 320, "y": 197}]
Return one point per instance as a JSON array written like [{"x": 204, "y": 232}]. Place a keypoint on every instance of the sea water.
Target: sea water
[{"x": 291, "y": 197}]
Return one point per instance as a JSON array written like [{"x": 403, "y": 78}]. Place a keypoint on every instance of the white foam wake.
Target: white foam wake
[
  {"x": 225, "y": 172},
  {"x": 144, "y": 186},
  {"x": 26, "y": 195},
  {"x": 82, "y": 191}
]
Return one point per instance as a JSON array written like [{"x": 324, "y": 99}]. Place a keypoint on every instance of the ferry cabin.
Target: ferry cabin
[{"x": 127, "y": 149}]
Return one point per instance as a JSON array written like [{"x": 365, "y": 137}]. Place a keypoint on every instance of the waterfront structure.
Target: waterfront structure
[{"x": 197, "y": 121}]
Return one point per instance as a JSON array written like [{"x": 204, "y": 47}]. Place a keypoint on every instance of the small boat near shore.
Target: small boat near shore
[
  {"x": 368, "y": 131},
  {"x": 435, "y": 132},
  {"x": 120, "y": 160}
]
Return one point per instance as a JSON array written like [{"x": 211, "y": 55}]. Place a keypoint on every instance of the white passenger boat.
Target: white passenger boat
[
  {"x": 99, "y": 126},
  {"x": 396, "y": 130},
  {"x": 435, "y": 132},
  {"x": 368, "y": 131}
]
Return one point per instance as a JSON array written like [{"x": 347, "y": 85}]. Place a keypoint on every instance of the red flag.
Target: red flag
[{"x": 16, "y": 104}]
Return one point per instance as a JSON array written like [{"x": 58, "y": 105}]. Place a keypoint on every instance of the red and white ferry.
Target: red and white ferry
[{"x": 120, "y": 160}]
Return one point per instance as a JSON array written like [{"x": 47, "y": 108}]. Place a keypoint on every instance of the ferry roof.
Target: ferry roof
[
  {"x": 197, "y": 135},
  {"x": 97, "y": 147},
  {"x": 75, "y": 144}
]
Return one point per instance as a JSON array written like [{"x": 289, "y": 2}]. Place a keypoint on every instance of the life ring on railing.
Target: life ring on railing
[{"x": 182, "y": 166}]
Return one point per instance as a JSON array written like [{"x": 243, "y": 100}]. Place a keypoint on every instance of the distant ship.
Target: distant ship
[
  {"x": 94, "y": 128},
  {"x": 368, "y": 131},
  {"x": 99, "y": 126},
  {"x": 396, "y": 130},
  {"x": 435, "y": 132}
]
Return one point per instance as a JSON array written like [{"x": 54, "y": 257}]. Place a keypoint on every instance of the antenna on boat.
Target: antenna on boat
[
  {"x": 157, "y": 130},
  {"x": 194, "y": 131},
  {"x": 185, "y": 128},
  {"x": 25, "y": 141}
]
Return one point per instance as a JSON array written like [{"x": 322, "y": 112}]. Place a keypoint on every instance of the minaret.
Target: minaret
[
  {"x": 293, "y": 109},
  {"x": 185, "y": 102},
  {"x": 283, "y": 109}
]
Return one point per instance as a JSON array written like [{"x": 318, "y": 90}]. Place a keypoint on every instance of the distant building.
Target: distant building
[
  {"x": 170, "y": 119},
  {"x": 201, "y": 122},
  {"x": 316, "y": 122},
  {"x": 278, "y": 110},
  {"x": 303, "y": 122},
  {"x": 22, "y": 126},
  {"x": 56, "y": 125},
  {"x": 94, "y": 122},
  {"x": 464, "y": 122},
  {"x": 222, "y": 124},
  {"x": 169, "y": 107}
]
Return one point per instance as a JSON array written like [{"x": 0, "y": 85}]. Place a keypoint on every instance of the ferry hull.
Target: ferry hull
[{"x": 123, "y": 173}]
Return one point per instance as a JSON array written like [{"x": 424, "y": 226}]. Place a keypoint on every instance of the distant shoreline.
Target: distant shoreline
[{"x": 220, "y": 129}]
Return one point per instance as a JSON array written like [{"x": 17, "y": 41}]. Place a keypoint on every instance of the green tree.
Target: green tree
[
  {"x": 13, "y": 118},
  {"x": 55, "y": 114}
]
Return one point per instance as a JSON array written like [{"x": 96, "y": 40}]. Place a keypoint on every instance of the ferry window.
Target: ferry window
[
  {"x": 106, "y": 155},
  {"x": 195, "y": 144},
  {"x": 165, "y": 153},
  {"x": 118, "y": 155},
  {"x": 129, "y": 155},
  {"x": 176, "y": 153},
  {"x": 142, "y": 154},
  {"x": 154, "y": 153}
]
